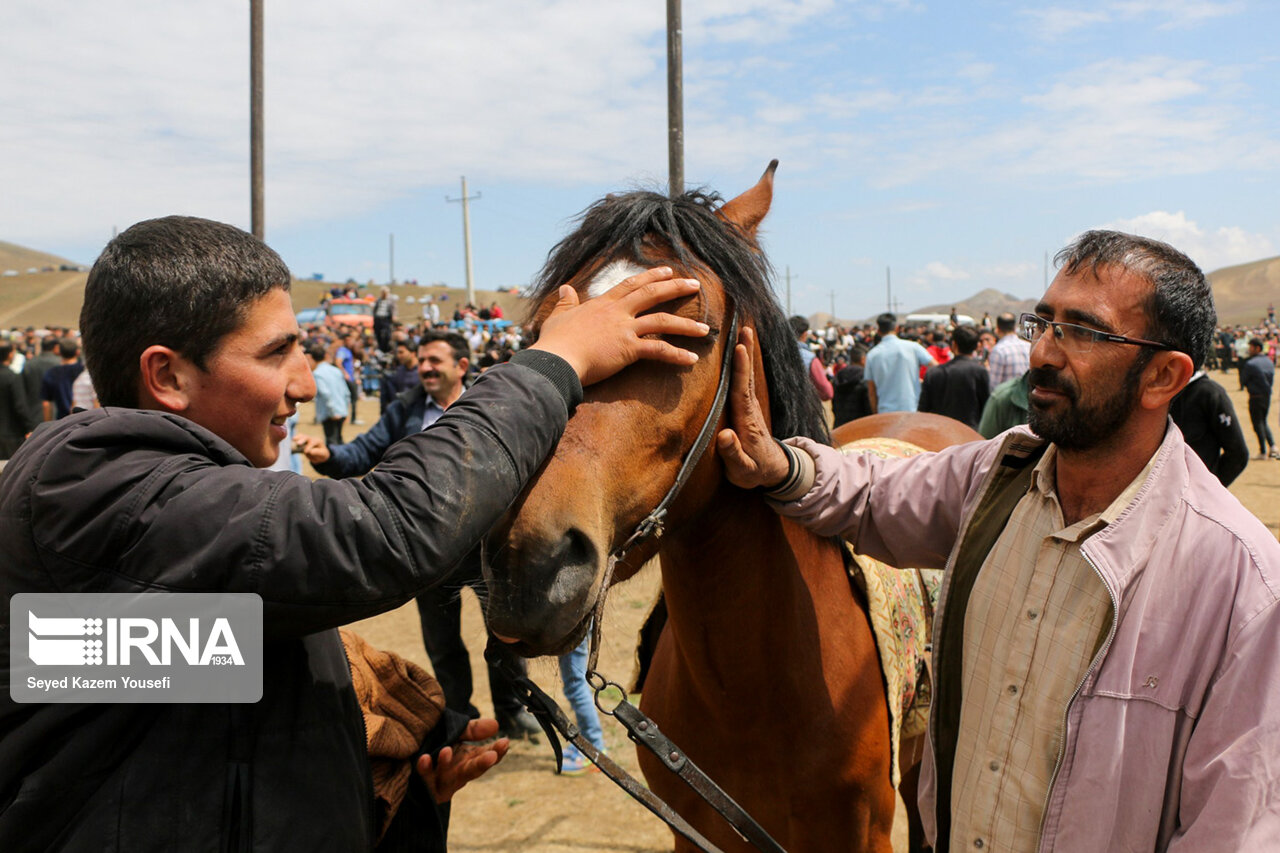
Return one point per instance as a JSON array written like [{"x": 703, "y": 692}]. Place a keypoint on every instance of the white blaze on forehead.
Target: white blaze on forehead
[{"x": 610, "y": 276}]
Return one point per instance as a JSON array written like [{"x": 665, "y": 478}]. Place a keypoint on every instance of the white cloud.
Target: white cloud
[
  {"x": 1211, "y": 249},
  {"x": 939, "y": 270},
  {"x": 1055, "y": 22}
]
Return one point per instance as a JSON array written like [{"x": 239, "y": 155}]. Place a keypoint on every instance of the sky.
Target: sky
[{"x": 928, "y": 150}]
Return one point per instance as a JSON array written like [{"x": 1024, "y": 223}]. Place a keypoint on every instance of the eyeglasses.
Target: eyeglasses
[{"x": 1073, "y": 338}]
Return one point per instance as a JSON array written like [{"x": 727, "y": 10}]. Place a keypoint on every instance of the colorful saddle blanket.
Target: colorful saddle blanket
[{"x": 900, "y": 603}]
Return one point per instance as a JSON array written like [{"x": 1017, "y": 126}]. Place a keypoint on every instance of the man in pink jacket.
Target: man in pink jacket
[{"x": 1107, "y": 655}]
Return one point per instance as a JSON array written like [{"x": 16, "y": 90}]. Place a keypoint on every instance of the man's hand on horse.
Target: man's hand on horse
[
  {"x": 468, "y": 759},
  {"x": 751, "y": 456},
  {"x": 601, "y": 336}
]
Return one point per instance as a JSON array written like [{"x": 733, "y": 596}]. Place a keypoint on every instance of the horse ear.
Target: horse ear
[{"x": 747, "y": 210}]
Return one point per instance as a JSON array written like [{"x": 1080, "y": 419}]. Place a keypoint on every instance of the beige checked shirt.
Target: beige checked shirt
[{"x": 1037, "y": 616}]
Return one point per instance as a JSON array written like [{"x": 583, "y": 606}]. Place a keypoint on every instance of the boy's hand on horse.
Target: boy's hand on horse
[
  {"x": 468, "y": 759},
  {"x": 751, "y": 456},
  {"x": 601, "y": 336}
]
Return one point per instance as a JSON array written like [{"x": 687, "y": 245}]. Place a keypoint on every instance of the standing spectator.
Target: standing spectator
[
  {"x": 16, "y": 419},
  {"x": 812, "y": 364},
  {"x": 345, "y": 358},
  {"x": 1241, "y": 347},
  {"x": 1011, "y": 356},
  {"x": 1006, "y": 407},
  {"x": 1257, "y": 375},
  {"x": 384, "y": 315},
  {"x": 573, "y": 677},
  {"x": 333, "y": 395},
  {"x": 432, "y": 312},
  {"x": 443, "y": 362},
  {"x": 83, "y": 396},
  {"x": 402, "y": 376},
  {"x": 893, "y": 368},
  {"x": 851, "y": 398},
  {"x": 960, "y": 387},
  {"x": 33, "y": 374},
  {"x": 1204, "y": 413},
  {"x": 55, "y": 388},
  {"x": 938, "y": 348}
]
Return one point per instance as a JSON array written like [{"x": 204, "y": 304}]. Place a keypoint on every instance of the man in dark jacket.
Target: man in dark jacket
[
  {"x": 443, "y": 361},
  {"x": 1257, "y": 375},
  {"x": 33, "y": 374},
  {"x": 960, "y": 387},
  {"x": 195, "y": 355},
  {"x": 1208, "y": 421},
  {"x": 15, "y": 415}
]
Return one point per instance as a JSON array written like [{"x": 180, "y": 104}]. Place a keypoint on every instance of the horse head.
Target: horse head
[{"x": 549, "y": 561}]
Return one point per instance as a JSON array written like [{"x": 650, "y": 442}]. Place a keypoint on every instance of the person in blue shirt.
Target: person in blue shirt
[{"x": 893, "y": 368}]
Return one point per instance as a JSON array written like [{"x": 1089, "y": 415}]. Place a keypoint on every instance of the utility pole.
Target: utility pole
[
  {"x": 675, "y": 100},
  {"x": 392, "y": 263},
  {"x": 888, "y": 291},
  {"x": 255, "y": 119},
  {"x": 466, "y": 235},
  {"x": 789, "y": 277},
  {"x": 833, "y": 305}
]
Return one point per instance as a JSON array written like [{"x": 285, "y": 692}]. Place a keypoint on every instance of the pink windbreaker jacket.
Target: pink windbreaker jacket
[{"x": 1172, "y": 740}]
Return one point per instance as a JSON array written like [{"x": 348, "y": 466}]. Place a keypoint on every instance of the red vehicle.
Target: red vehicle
[{"x": 350, "y": 312}]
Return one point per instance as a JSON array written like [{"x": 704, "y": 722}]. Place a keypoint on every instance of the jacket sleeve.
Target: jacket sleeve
[
  {"x": 159, "y": 512},
  {"x": 1230, "y": 797},
  {"x": 357, "y": 457},
  {"x": 906, "y": 512}
]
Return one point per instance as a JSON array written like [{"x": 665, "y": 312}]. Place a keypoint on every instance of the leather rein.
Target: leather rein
[{"x": 640, "y": 728}]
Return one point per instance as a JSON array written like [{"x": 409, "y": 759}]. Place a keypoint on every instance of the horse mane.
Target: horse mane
[{"x": 638, "y": 226}]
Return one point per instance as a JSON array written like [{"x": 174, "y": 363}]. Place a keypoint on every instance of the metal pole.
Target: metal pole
[
  {"x": 789, "y": 277},
  {"x": 833, "y": 305},
  {"x": 255, "y": 119},
  {"x": 466, "y": 235},
  {"x": 393, "y": 258},
  {"x": 675, "y": 100},
  {"x": 888, "y": 291}
]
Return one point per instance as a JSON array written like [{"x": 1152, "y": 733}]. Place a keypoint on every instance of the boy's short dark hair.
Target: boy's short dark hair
[
  {"x": 886, "y": 323},
  {"x": 68, "y": 347},
  {"x": 180, "y": 282}
]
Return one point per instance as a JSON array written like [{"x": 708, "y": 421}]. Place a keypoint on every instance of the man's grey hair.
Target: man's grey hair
[{"x": 1180, "y": 308}]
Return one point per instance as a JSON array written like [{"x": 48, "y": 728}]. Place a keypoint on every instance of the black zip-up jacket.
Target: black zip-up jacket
[{"x": 121, "y": 500}]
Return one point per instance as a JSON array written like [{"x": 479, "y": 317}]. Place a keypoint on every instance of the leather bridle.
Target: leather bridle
[{"x": 653, "y": 524}]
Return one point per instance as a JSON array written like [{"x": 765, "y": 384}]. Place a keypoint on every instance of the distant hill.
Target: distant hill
[
  {"x": 54, "y": 297},
  {"x": 1242, "y": 293},
  {"x": 989, "y": 301},
  {"x": 21, "y": 259}
]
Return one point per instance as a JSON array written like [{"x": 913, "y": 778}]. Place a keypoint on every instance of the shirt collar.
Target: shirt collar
[{"x": 1042, "y": 480}]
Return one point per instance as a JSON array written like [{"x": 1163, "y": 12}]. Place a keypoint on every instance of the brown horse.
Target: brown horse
[{"x": 767, "y": 674}]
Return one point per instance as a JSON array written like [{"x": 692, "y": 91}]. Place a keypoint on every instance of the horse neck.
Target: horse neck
[{"x": 738, "y": 562}]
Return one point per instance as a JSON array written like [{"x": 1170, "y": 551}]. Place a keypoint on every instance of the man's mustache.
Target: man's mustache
[{"x": 1052, "y": 380}]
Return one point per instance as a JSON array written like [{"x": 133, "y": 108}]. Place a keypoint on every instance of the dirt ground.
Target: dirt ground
[{"x": 522, "y": 806}]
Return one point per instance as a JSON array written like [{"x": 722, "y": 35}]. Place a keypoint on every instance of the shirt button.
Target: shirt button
[
  {"x": 995, "y": 765},
  {"x": 1013, "y": 690},
  {"x": 1033, "y": 614},
  {"x": 977, "y": 842}
]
